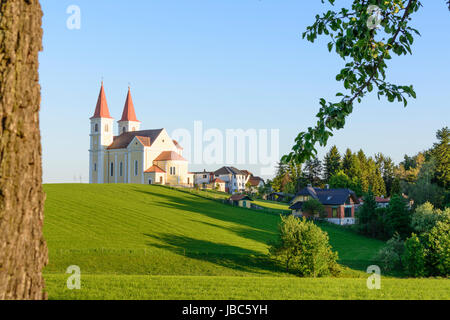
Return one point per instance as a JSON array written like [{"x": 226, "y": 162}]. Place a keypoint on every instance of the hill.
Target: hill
[{"x": 123, "y": 236}]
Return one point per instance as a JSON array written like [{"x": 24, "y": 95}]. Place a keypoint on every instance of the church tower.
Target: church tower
[
  {"x": 128, "y": 122},
  {"x": 101, "y": 137}
]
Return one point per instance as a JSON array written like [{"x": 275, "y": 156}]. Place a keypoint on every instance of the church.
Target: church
[{"x": 134, "y": 155}]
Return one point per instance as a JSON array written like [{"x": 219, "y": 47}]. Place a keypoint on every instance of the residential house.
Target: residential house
[
  {"x": 203, "y": 179},
  {"x": 234, "y": 179},
  {"x": 254, "y": 183},
  {"x": 339, "y": 204},
  {"x": 219, "y": 185}
]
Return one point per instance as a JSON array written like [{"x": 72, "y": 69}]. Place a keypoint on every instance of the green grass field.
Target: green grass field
[{"x": 153, "y": 242}]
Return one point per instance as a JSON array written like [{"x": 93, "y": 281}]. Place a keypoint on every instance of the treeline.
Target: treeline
[{"x": 424, "y": 177}]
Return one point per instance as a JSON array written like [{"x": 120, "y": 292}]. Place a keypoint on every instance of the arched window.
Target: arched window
[
  {"x": 121, "y": 169},
  {"x": 112, "y": 169},
  {"x": 106, "y": 128},
  {"x": 96, "y": 127},
  {"x": 95, "y": 166},
  {"x": 124, "y": 129},
  {"x": 136, "y": 167}
]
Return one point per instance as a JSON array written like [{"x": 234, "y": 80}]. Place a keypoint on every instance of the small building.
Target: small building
[
  {"x": 241, "y": 200},
  {"x": 218, "y": 184},
  {"x": 203, "y": 178},
  {"x": 280, "y": 196},
  {"x": 254, "y": 183},
  {"x": 234, "y": 178},
  {"x": 339, "y": 204}
]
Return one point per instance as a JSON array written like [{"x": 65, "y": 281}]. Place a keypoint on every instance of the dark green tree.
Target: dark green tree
[
  {"x": 398, "y": 217},
  {"x": 441, "y": 153},
  {"x": 332, "y": 162},
  {"x": 413, "y": 258},
  {"x": 313, "y": 171}
]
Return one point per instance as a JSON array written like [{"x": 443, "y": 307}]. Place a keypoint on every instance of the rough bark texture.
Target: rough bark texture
[{"x": 23, "y": 252}]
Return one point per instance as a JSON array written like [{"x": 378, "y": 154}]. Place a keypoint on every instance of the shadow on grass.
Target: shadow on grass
[{"x": 223, "y": 254}]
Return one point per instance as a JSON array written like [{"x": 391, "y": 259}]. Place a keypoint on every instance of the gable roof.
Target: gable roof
[
  {"x": 122, "y": 141},
  {"x": 155, "y": 169},
  {"x": 254, "y": 181},
  {"x": 329, "y": 196},
  {"x": 169, "y": 155},
  {"x": 101, "y": 109},
  {"x": 128, "y": 113},
  {"x": 238, "y": 197},
  {"x": 228, "y": 170}
]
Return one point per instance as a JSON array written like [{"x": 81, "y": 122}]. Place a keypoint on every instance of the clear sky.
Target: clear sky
[{"x": 230, "y": 64}]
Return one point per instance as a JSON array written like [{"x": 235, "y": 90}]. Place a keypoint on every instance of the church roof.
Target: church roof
[
  {"x": 169, "y": 155},
  {"x": 128, "y": 113},
  {"x": 155, "y": 169},
  {"x": 101, "y": 110},
  {"x": 147, "y": 137}
]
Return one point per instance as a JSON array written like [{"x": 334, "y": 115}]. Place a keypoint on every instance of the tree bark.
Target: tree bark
[{"x": 23, "y": 251}]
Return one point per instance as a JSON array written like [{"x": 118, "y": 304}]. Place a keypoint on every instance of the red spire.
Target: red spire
[
  {"x": 101, "y": 110},
  {"x": 128, "y": 111}
]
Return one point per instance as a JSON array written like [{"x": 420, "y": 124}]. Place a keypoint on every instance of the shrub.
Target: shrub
[
  {"x": 314, "y": 208},
  {"x": 437, "y": 244},
  {"x": 391, "y": 255},
  {"x": 413, "y": 259},
  {"x": 304, "y": 248}
]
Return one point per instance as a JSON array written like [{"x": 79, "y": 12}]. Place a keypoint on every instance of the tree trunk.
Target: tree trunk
[{"x": 23, "y": 251}]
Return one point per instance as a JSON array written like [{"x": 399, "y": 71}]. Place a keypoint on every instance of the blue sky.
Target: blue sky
[{"x": 229, "y": 63}]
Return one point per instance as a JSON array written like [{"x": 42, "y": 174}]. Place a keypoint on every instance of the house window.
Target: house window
[
  {"x": 136, "y": 164},
  {"x": 121, "y": 169},
  {"x": 348, "y": 212},
  {"x": 112, "y": 169},
  {"x": 335, "y": 212}
]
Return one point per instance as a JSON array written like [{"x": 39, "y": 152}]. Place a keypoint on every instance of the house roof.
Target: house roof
[
  {"x": 254, "y": 181},
  {"x": 122, "y": 141},
  {"x": 228, "y": 170},
  {"x": 238, "y": 197},
  {"x": 382, "y": 200},
  {"x": 169, "y": 155},
  {"x": 246, "y": 173},
  {"x": 218, "y": 180},
  {"x": 177, "y": 144},
  {"x": 296, "y": 206},
  {"x": 155, "y": 169},
  {"x": 101, "y": 110},
  {"x": 128, "y": 113},
  {"x": 329, "y": 196}
]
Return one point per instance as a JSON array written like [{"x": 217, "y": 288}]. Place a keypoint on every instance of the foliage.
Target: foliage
[
  {"x": 304, "y": 248},
  {"x": 314, "y": 208},
  {"x": 313, "y": 171},
  {"x": 424, "y": 218},
  {"x": 437, "y": 244},
  {"x": 332, "y": 162},
  {"x": 398, "y": 217},
  {"x": 365, "y": 51},
  {"x": 391, "y": 255},
  {"x": 413, "y": 258},
  {"x": 441, "y": 152}
]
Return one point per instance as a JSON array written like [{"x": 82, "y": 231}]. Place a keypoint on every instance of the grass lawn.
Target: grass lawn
[{"x": 141, "y": 241}]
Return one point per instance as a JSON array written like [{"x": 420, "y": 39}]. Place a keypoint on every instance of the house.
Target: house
[
  {"x": 134, "y": 155},
  {"x": 254, "y": 183},
  {"x": 234, "y": 179},
  {"x": 203, "y": 179},
  {"x": 382, "y": 202},
  {"x": 241, "y": 200},
  {"x": 339, "y": 204},
  {"x": 219, "y": 185}
]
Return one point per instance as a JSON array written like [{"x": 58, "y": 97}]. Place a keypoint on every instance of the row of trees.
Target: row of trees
[{"x": 423, "y": 177}]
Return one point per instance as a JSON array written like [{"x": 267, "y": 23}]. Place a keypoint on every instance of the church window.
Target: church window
[
  {"x": 95, "y": 166},
  {"x": 96, "y": 127},
  {"x": 121, "y": 169},
  {"x": 106, "y": 128},
  {"x": 112, "y": 169},
  {"x": 135, "y": 167},
  {"x": 124, "y": 129}
]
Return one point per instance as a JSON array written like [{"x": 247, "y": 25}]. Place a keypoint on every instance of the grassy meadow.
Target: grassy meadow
[{"x": 154, "y": 242}]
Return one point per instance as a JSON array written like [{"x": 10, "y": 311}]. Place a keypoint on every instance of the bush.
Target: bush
[
  {"x": 314, "y": 208},
  {"x": 391, "y": 255},
  {"x": 437, "y": 245},
  {"x": 304, "y": 248},
  {"x": 413, "y": 258}
]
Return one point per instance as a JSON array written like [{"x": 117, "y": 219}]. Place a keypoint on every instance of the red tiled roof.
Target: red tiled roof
[
  {"x": 101, "y": 110},
  {"x": 169, "y": 155},
  {"x": 177, "y": 144},
  {"x": 146, "y": 141},
  {"x": 155, "y": 169},
  {"x": 218, "y": 180},
  {"x": 382, "y": 200},
  {"x": 122, "y": 141},
  {"x": 128, "y": 110},
  {"x": 254, "y": 181}
]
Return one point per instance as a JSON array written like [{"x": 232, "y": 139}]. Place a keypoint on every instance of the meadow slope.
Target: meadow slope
[{"x": 141, "y": 241}]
